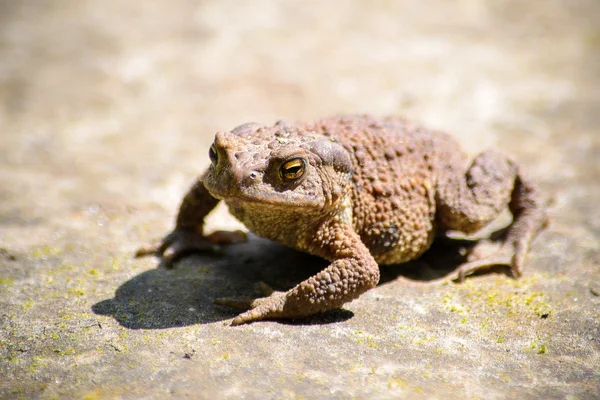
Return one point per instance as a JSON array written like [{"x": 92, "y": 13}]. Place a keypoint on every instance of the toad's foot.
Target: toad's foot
[
  {"x": 513, "y": 251},
  {"x": 503, "y": 257},
  {"x": 184, "y": 241},
  {"x": 271, "y": 306}
]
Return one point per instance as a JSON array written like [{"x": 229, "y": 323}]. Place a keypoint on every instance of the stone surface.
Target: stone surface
[{"x": 107, "y": 110}]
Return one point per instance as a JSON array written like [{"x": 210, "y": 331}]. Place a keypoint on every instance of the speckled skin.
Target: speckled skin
[{"x": 369, "y": 191}]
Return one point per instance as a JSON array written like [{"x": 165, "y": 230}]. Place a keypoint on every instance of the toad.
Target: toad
[{"x": 358, "y": 191}]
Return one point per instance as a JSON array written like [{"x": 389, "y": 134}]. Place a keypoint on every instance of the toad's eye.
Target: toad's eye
[
  {"x": 213, "y": 155},
  {"x": 293, "y": 169}
]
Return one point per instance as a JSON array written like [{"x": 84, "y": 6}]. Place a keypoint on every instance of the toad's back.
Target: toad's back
[{"x": 396, "y": 165}]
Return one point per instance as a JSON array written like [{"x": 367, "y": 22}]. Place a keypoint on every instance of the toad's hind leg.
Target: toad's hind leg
[{"x": 467, "y": 202}]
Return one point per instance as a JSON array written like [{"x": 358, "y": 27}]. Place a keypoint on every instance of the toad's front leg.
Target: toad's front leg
[
  {"x": 352, "y": 272},
  {"x": 188, "y": 235}
]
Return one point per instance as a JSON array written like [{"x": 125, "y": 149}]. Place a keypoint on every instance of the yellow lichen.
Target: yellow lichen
[
  {"x": 46, "y": 251},
  {"x": 77, "y": 292},
  {"x": 396, "y": 383}
]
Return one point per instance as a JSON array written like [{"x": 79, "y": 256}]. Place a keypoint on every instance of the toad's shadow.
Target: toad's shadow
[{"x": 164, "y": 298}]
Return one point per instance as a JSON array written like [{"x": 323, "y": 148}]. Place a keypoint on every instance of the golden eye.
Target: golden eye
[
  {"x": 293, "y": 169},
  {"x": 213, "y": 155}
]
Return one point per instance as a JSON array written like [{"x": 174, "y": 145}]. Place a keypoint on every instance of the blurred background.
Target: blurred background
[{"x": 107, "y": 110}]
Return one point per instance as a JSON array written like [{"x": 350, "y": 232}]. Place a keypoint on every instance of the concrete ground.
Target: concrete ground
[{"x": 107, "y": 109}]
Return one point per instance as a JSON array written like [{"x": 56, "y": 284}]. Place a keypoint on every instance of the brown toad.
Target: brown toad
[{"x": 356, "y": 191}]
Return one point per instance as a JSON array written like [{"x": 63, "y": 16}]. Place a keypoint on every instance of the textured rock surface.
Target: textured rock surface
[{"x": 107, "y": 110}]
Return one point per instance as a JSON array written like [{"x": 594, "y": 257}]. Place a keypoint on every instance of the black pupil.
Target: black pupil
[
  {"x": 294, "y": 170},
  {"x": 212, "y": 154}
]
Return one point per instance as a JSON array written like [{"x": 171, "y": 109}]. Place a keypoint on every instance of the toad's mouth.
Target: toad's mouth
[{"x": 288, "y": 200}]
